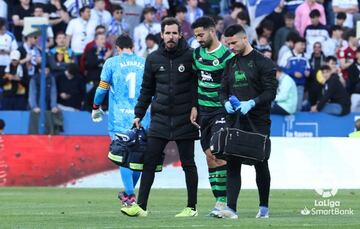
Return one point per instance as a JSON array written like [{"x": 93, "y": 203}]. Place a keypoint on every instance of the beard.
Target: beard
[
  {"x": 171, "y": 45},
  {"x": 206, "y": 44}
]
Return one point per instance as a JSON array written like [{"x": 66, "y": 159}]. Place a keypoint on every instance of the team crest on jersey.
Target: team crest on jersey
[
  {"x": 181, "y": 68},
  {"x": 162, "y": 69},
  {"x": 216, "y": 62}
]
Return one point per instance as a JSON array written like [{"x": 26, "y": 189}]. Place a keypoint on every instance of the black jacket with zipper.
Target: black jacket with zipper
[{"x": 169, "y": 85}]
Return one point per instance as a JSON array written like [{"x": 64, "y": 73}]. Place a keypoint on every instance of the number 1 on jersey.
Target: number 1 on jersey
[{"x": 131, "y": 78}]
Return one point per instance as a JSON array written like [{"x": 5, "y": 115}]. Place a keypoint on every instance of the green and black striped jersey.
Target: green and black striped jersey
[{"x": 209, "y": 67}]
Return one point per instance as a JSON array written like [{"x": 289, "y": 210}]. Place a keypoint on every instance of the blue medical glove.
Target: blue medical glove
[
  {"x": 246, "y": 106},
  {"x": 235, "y": 102},
  {"x": 229, "y": 109}
]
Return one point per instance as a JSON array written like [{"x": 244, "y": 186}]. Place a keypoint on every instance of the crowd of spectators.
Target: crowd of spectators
[{"x": 313, "y": 42}]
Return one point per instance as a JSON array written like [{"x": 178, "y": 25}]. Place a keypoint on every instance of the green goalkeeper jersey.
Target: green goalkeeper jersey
[{"x": 209, "y": 67}]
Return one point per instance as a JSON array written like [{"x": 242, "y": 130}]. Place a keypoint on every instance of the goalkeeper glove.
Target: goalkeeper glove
[{"x": 97, "y": 114}]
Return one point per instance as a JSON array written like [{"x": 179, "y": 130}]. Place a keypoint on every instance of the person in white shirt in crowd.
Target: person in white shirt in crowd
[
  {"x": 117, "y": 25},
  {"x": 143, "y": 29},
  {"x": 3, "y": 9},
  {"x": 286, "y": 97},
  {"x": 193, "y": 11},
  {"x": 336, "y": 42},
  {"x": 316, "y": 32},
  {"x": 39, "y": 12},
  {"x": 151, "y": 45},
  {"x": 349, "y": 7},
  {"x": 288, "y": 46},
  {"x": 7, "y": 45},
  {"x": 99, "y": 15},
  {"x": 80, "y": 31},
  {"x": 30, "y": 54}
]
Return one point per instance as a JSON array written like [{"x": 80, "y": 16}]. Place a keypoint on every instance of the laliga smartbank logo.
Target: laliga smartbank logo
[{"x": 326, "y": 206}]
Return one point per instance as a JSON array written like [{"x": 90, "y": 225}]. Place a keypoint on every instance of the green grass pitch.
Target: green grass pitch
[{"x": 99, "y": 208}]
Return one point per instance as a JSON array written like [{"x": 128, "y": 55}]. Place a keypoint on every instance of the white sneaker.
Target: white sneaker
[
  {"x": 228, "y": 213},
  {"x": 217, "y": 208}
]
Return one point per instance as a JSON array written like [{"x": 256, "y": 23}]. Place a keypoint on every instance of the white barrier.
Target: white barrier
[{"x": 295, "y": 163}]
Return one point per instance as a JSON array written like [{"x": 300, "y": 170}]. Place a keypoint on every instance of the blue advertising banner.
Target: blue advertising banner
[{"x": 302, "y": 124}]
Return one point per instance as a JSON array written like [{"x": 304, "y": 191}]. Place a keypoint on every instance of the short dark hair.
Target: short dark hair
[
  {"x": 181, "y": 9},
  {"x": 300, "y": 39},
  {"x": 325, "y": 67},
  {"x": 341, "y": 16},
  {"x": 100, "y": 27},
  {"x": 124, "y": 41},
  {"x": 148, "y": 10},
  {"x": 60, "y": 33},
  {"x": 2, "y": 124},
  {"x": 292, "y": 36},
  {"x": 151, "y": 37},
  {"x": 82, "y": 9},
  {"x": 335, "y": 27},
  {"x": 314, "y": 13},
  {"x": 237, "y": 5},
  {"x": 116, "y": 7},
  {"x": 170, "y": 21},
  {"x": 289, "y": 15},
  {"x": 204, "y": 21},
  {"x": 73, "y": 69},
  {"x": 234, "y": 29},
  {"x": 330, "y": 58}
]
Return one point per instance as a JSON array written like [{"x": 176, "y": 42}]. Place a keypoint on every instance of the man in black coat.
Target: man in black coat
[{"x": 169, "y": 86}]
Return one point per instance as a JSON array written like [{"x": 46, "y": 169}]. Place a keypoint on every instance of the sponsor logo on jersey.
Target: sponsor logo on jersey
[{"x": 206, "y": 76}]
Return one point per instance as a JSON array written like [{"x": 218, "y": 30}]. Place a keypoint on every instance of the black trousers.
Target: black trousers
[
  {"x": 154, "y": 151},
  {"x": 233, "y": 184}
]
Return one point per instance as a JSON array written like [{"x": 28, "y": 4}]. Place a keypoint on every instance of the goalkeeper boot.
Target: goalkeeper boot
[
  {"x": 187, "y": 212},
  {"x": 134, "y": 211},
  {"x": 263, "y": 213},
  {"x": 218, "y": 207},
  {"x": 124, "y": 198},
  {"x": 228, "y": 213}
]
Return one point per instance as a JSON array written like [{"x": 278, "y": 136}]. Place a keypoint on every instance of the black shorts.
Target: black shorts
[{"x": 210, "y": 122}]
